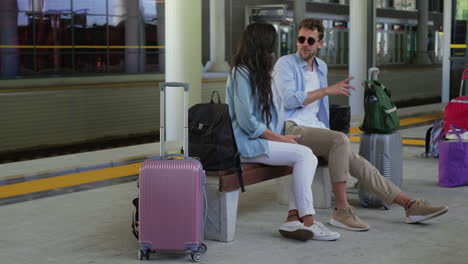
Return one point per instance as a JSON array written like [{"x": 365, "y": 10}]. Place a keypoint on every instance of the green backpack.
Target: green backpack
[{"x": 380, "y": 112}]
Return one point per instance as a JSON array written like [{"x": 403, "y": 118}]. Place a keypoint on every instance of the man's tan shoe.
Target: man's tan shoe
[
  {"x": 422, "y": 210},
  {"x": 346, "y": 218}
]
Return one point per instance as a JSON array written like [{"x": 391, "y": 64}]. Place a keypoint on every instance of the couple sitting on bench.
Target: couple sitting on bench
[{"x": 279, "y": 114}]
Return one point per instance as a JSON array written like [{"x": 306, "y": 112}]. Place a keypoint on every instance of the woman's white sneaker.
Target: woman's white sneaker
[
  {"x": 296, "y": 230},
  {"x": 321, "y": 232}
]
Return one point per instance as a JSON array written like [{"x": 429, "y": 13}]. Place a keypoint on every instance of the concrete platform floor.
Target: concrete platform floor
[{"x": 93, "y": 226}]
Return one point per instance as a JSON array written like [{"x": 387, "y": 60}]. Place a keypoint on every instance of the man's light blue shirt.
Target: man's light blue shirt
[
  {"x": 246, "y": 118},
  {"x": 289, "y": 83}
]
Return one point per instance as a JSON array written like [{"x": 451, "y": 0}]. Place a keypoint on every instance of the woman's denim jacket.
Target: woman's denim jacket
[{"x": 246, "y": 117}]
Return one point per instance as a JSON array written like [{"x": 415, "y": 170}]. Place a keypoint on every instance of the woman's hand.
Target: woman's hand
[
  {"x": 270, "y": 135},
  {"x": 290, "y": 138}
]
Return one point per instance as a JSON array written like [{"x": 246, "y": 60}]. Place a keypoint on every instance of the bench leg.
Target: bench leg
[
  {"x": 321, "y": 189},
  {"x": 220, "y": 222}
]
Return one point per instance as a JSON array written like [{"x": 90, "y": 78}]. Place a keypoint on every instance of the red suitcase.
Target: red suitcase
[
  {"x": 456, "y": 112},
  {"x": 171, "y": 198}
]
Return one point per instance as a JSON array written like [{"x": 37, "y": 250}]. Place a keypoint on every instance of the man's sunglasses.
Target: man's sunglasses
[{"x": 310, "y": 40}]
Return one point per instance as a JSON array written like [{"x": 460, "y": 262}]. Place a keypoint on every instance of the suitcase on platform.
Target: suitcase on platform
[
  {"x": 384, "y": 151},
  {"x": 456, "y": 111},
  {"x": 171, "y": 196},
  {"x": 453, "y": 159}
]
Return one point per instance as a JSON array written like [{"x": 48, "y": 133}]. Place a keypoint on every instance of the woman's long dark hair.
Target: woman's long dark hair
[{"x": 255, "y": 52}]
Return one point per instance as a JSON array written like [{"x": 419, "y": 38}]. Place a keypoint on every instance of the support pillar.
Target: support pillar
[
  {"x": 160, "y": 14},
  {"x": 135, "y": 59},
  {"x": 299, "y": 11},
  {"x": 9, "y": 36},
  {"x": 423, "y": 13},
  {"x": 217, "y": 62},
  {"x": 37, "y": 5},
  {"x": 446, "y": 51},
  {"x": 358, "y": 57},
  {"x": 371, "y": 35},
  {"x": 465, "y": 89},
  {"x": 183, "y": 63}
]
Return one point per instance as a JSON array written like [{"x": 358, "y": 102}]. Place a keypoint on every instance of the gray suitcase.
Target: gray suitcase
[{"x": 384, "y": 151}]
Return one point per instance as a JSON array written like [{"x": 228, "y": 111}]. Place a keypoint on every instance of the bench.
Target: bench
[{"x": 222, "y": 188}]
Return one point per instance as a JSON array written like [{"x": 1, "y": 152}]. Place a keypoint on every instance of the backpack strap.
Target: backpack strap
[
  {"x": 239, "y": 170},
  {"x": 212, "y": 94},
  {"x": 237, "y": 160}
]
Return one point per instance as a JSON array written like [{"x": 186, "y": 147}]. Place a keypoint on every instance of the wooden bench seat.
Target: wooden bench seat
[
  {"x": 222, "y": 188},
  {"x": 252, "y": 173}
]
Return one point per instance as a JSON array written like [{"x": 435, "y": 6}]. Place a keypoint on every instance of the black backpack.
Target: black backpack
[
  {"x": 340, "y": 118},
  {"x": 211, "y": 138},
  {"x": 433, "y": 136}
]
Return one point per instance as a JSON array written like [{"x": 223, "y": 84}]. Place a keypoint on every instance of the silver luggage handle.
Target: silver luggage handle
[
  {"x": 464, "y": 77},
  {"x": 373, "y": 74},
  {"x": 162, "y": 125}
]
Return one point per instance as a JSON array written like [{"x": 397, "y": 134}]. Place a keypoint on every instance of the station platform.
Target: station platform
[{"x": 77, "y": 209}]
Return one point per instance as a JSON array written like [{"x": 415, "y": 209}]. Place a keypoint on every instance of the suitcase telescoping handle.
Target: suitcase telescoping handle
[
  {"x": 162, "y": 126},
  {"x": 373, "y": 74},
  {"x": 464, "y": 77}
]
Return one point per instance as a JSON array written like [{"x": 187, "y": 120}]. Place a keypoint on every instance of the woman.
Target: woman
[{"x": 255, "y": 122}]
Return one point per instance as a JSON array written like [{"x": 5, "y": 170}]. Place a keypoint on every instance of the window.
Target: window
[
  {"x": 66, "y": 37},
  {"x": 381, "y": 4},
  {"x": 409, "y": 5}
]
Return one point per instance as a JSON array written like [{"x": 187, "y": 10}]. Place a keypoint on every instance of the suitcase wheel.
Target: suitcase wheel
[
  {"x": 143, "y": 254},
  {"x": 364, "y": 204},
  {"x": 197, "y": 256},
  {"x": 202, "y": 248}
]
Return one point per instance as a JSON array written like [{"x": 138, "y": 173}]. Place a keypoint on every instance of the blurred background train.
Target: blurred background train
[
  {"x": 81, "y": 75},
  {"x": 396, "y": 38}
]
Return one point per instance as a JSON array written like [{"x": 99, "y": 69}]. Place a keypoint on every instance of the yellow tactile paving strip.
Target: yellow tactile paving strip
[
  {"x": 420, "y": 119},
  {"x": 403, "y": 122},
  {"x": 75, "y": 179},
  {"x": 68, "y": 180},
  {"x": 404, "y": 141}
]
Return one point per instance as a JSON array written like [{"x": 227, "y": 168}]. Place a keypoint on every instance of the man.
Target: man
[{"x": 300, "y": 81}]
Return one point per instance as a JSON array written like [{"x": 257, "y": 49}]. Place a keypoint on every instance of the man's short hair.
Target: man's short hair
[{"x": 312, "y": 24}]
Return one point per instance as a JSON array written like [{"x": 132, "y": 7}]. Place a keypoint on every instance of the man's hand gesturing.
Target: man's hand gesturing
[{"x": 341, "y": 87}]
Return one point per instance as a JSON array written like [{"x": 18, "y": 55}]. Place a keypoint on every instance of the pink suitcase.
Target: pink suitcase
[
  {"x": 171, "y": 198},
  {"x": 456, "y": 111}
]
